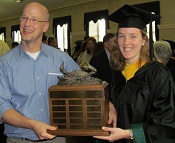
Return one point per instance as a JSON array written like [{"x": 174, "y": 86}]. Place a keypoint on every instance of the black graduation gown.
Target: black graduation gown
[{"x": 145, "y": 103}]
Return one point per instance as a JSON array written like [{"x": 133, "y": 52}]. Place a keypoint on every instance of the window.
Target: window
[
  {"x": 16, "y": 36},
  {"x": 61, "y": 30},
  {"x": 3, "y": 33},
  {"x": 153, "y": 30},
  {"x": 63, "y": 37},
  {"x": 15, "y": 33},
  {"x": 96, "y": 23},
  {"x": 98, "y": 29},
  {"x": 153, "y": 7},
  {"x": 2, "y": 37}
]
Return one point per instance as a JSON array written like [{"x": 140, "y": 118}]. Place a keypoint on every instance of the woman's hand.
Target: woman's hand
[
  {"x": 112, "y": 115},
  {"x": 115, "y": 134}
]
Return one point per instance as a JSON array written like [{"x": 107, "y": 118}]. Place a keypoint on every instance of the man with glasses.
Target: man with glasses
[{"x": 25, "y": 79}]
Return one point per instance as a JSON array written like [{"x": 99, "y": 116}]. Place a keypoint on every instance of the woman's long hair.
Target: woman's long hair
[{"x": 117, "y": 60}]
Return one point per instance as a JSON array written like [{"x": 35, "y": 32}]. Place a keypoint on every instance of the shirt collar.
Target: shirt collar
[{"x": 42, "y": 51}]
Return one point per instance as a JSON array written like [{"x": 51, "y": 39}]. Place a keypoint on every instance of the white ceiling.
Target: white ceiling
[{"x": 10, "y": 8}]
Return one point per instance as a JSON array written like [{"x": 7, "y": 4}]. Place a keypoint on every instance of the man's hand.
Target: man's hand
[
  {"x": 41, "y": 128},
  {"x": 14, "y": 118}
]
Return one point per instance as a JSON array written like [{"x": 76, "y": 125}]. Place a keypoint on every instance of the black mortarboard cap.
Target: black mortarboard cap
[{"x": 130, "y": 16}]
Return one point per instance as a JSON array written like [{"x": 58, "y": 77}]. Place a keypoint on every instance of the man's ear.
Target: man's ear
[
  {"x": 46, "y": 26},
  {"x": 105, "y": 44}
]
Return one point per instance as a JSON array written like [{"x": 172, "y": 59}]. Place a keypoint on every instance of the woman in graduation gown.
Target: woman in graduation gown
[{"x": 142, "y": 91}]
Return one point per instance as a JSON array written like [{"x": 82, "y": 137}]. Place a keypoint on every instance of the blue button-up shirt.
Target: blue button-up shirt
[{"x": 24, "y": 84}]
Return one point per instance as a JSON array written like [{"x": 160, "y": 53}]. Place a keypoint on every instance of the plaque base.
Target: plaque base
[{"x": 79, "y": 133}]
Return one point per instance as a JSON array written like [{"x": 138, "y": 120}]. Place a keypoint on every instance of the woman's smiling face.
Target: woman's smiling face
[{"x": 130, "y": 42}]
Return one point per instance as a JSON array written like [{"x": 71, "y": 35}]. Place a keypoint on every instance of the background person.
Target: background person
[
  {"x": 162, "y": 51},
  {"x": 52, "y": 41},
  {"x": 99, "y": 46},
  {"x": 101, "y": 60},
  {"x": 4, "y": 48},
  {"x": 163, "y": 54},
  {"x": 44, "y": 39},
  {"x": 14, "y": 44},
  {"x": 84, "y": 43},
  {"x": 88, "y": 53},
  {"x": 77, "y": 50},
  {"x": 172, "y": 44}
]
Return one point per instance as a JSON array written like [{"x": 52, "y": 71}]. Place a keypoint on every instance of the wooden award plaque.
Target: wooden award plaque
[{"x": 79, "y": 110}]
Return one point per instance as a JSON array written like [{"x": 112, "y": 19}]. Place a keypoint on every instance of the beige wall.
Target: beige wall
[{"x": 166, "y": 27}]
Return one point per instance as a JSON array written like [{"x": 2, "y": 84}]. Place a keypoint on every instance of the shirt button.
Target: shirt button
[
  {"x": 39, "y": 93},
  {"x": 38, "y": 77},
  {"x": 41, "y": 109}
]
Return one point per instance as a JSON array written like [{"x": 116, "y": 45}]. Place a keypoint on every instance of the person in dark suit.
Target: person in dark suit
[
  {"x": 100, "y": 61},
  {"x": 163, "y": 54}
]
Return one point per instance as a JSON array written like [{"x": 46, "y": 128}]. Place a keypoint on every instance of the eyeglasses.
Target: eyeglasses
[{"x": 32, "y": 20}]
